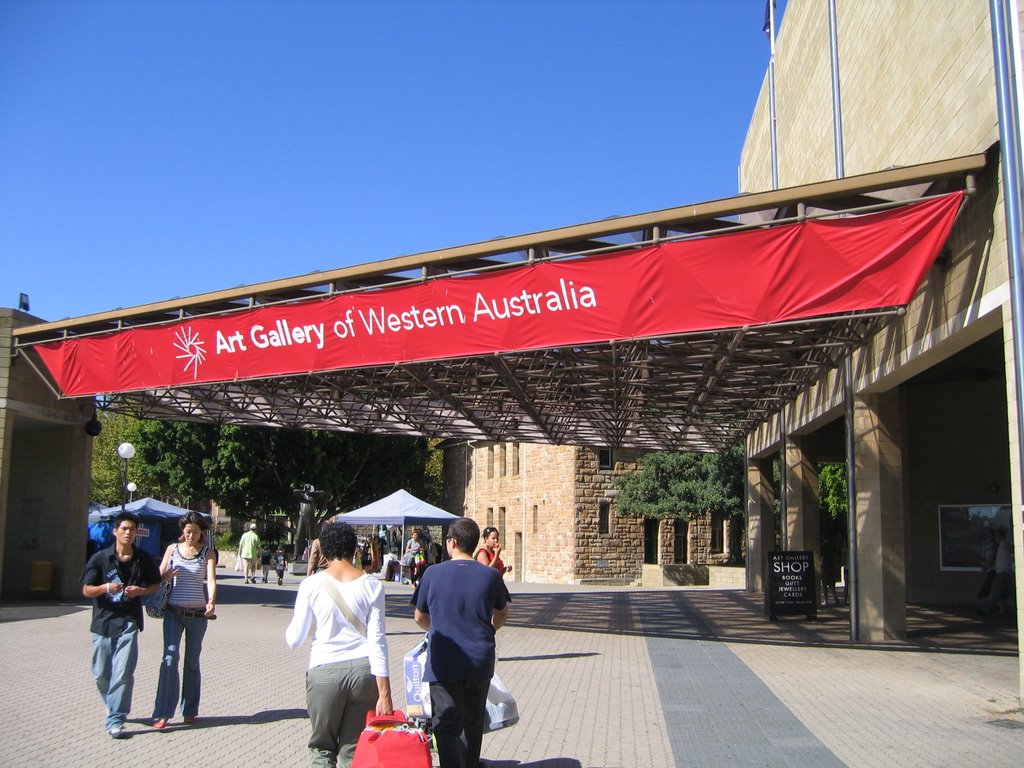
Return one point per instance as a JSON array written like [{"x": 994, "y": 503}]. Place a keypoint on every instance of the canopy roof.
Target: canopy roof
[
  {"x": 692, "y": 352},
  {"x": 400, "y": 508},
  {"x": 148, "y": 509}
]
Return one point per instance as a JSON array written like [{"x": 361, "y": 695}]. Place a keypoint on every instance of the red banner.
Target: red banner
[{"x": 760, "y": 276}]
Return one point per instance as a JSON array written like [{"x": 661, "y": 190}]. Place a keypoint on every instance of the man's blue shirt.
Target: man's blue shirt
[{"x": 460, "y": 596}]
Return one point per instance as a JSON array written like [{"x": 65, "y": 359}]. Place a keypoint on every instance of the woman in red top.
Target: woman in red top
[{"x": 489, "y": 553}]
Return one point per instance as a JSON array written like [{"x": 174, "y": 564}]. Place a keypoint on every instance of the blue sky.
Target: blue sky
[{"x": 159, "y": 148}]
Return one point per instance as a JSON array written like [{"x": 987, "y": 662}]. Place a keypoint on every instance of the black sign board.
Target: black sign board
[{"x": 790, "y": 588}]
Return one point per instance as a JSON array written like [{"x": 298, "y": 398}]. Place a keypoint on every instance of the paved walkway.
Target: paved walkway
[{"x": 605, "y": 677}]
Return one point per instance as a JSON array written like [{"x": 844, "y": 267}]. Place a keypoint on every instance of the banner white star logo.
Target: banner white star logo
[{"x": 192, "y": 348}]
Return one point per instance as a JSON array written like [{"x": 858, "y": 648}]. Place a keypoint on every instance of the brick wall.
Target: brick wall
[
  {"x": 552, "y": 499},
  {"x": 619, "y": 554}
]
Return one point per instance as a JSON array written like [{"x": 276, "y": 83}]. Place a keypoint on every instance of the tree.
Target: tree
[
  {"x": 107, "y": 467},
  {"x": 253, "y": 472},
  {"x": 671, "y": 484},
  {"x": 833, "y": 501},
  {"x": 177, "y": 454},
  {"x": 832, "y": 490}
]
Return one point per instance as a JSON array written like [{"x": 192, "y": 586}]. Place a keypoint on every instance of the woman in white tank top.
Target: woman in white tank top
[{"x": 191, "y": 605}]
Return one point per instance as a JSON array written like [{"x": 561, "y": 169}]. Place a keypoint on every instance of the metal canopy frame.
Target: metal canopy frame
[{"x": 701, "y": 391}]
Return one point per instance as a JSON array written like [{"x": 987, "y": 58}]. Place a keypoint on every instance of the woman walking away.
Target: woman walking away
[
  {"x": 188, "y": 611},
  {"x": 348, "y": 662}
]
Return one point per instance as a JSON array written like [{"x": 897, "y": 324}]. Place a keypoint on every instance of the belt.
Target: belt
[{"x": 190, "y": 613}]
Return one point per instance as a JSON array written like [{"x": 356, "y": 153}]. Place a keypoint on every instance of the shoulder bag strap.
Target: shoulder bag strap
[{"x": 335, "y": 594}]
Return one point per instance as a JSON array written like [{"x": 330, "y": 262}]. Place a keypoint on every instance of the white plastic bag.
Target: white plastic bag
[{"x": 502, "y": 710}]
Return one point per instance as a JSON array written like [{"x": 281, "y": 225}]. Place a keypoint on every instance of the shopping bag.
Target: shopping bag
[
  {"x": 502, "y": 710},
  {"x": 417, "y": 690},
  {"x": 391, "y": 741}
]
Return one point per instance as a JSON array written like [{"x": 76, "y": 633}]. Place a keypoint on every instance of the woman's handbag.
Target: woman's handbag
[{"x": 156, "y": 604}]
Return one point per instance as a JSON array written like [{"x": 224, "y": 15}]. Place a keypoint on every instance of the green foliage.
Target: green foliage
[
  {"x": 107, "y": 466},
  {"x": 177, "y": 453},
  {"x": 670, "y": 484},
  {"x": 833, "y": 490},
  {"x": 227, "y": 541},
  {"x": 433, "y": 474},
  {"x": 253, "y": 471}
]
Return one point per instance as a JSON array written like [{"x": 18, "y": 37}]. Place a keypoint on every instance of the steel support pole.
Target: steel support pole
[
  {"x": 783, "y": 480},
  {"x": 852, "y": 591},
  {"x": 1006, "y": 56}
]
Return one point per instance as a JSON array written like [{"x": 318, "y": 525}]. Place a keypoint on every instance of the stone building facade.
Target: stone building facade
[{"x": 555, "y": 507}]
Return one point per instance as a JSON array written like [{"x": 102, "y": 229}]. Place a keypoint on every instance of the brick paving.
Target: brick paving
[{"x": 605, "y": 677}]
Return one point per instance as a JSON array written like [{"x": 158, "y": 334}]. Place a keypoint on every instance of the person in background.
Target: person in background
[
  {"x": 829, "y": 570},
  {"x": 316, "y": 561},
  {"x": 280, "y": 563},
  {"x": 265, "y": 561},
  {"x": 461, "y": 603},
  {"x": 190, "y": 607},
  {"x": 490, "y": 553},
  {"x": 249, "y": 552},
  {"x": 413, "y": 557},
  {"x": 1002, "y": 583},
  {"x": 114, "y": 579},
  {"x": 348, "y": 671},
  {"x": 988, "y": 563}
]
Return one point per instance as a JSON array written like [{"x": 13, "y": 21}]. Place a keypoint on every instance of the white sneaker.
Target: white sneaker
[{"x": 117, "y": 732}]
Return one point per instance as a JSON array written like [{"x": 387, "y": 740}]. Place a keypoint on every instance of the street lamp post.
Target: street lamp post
[{"x": 125, "y": 451}]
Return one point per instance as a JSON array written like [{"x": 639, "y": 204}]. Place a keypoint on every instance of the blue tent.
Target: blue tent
[{"x": 158, "y": 523}]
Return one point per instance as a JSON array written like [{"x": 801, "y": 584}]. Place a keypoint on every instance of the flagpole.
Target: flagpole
[
  {"x": 837, "y": 108},
  {"x": 771, "y": 95}
]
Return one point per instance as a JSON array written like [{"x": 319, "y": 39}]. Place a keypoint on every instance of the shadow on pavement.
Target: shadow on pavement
[
  {"x": 549, "y": 657},
  {"x": 258, "y": 718},
  {"x": 29, "y": 611},
  {"x": 738, "y": 617},
  {"x": 553, "y": 762}
]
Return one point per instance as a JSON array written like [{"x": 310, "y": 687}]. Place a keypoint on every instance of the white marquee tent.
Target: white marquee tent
[{"x": 400, "y": 508}]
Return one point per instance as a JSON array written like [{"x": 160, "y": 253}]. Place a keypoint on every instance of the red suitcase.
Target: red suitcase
[{"x": 391, "y": 741}]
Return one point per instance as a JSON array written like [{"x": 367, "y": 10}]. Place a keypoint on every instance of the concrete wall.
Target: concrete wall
[
  {"x": 959, "y": 458},
  {"x": 917, "y": 85},
  {"x": 45, "y": 469}
]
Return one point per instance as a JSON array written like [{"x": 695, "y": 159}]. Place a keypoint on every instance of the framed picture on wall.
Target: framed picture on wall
[{"x": 962, "y": 532}]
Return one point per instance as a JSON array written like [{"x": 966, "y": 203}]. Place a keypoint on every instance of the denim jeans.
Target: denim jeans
[
  {"x": 458, "y": 711},
  {"x": 167, "y": 689},
  {"x": 113, "y": 667},
  {"x": 338, "y": 696}
]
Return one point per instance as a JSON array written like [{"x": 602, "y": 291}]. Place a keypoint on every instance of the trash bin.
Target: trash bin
[{"x": 40, "y": 577}]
